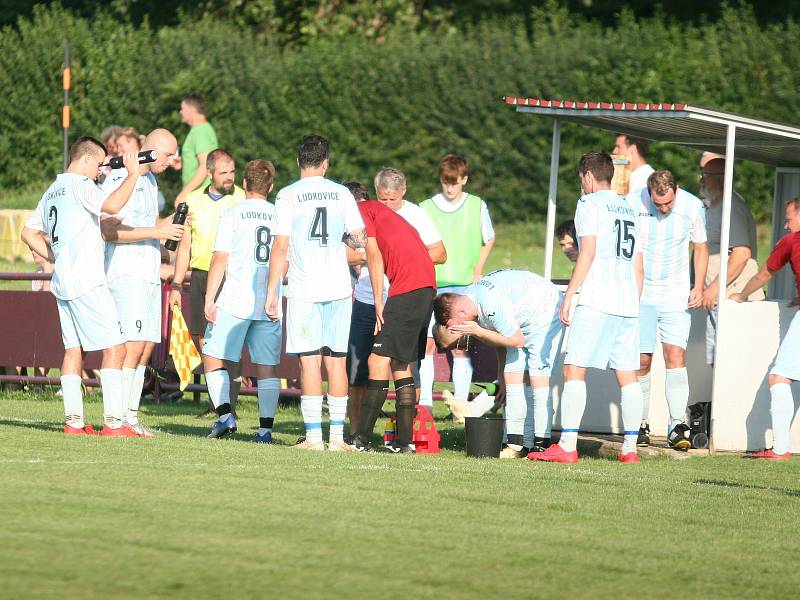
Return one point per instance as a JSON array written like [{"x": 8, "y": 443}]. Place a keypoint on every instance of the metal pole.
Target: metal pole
[
  {"x": 66, "y": 81},
  {"x": 551, "y": 200}
]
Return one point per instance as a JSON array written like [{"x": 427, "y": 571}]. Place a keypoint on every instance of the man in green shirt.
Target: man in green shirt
[{"x": 201, "y": 140}]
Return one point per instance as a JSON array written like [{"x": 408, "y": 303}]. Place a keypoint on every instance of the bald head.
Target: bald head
[{"x": 165, "y": 144}]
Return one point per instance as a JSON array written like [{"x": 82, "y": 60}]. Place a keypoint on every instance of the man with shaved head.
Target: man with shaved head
[{"x": 132, "y": 263}]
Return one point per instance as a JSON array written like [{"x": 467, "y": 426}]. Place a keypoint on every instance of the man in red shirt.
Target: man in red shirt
[
  {"x": 787, "y": 362},
  {"x": 394, "y": 248}
]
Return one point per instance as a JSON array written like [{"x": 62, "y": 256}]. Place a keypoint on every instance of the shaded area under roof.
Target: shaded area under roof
[{"x": 700, "y": 128}]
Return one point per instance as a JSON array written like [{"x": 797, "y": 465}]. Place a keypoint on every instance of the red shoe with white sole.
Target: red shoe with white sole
[
  {"x": 121, "y": 431},
  {"x": 769, "y": 454},
  {"x": 555, "y": 453},
  {"x": 629, "y": 458},
  {"x": 85, "y": 430}
]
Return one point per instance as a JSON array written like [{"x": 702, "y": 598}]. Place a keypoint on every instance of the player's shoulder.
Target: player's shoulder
[{"x": 690, "y": 202}]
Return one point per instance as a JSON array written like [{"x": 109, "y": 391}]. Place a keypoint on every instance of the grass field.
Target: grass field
[{"x": 181, "y": 516}]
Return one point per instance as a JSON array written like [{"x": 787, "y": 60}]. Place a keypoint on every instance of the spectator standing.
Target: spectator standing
[
  {"x": 201, "y": 140},
  {"x": 636, "y": 151}
]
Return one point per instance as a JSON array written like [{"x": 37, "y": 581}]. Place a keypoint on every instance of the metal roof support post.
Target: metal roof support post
[{"x": 551, "y": 201}]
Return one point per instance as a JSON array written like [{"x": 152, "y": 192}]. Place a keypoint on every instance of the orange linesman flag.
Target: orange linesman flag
[{"x": 182, "y": 348}]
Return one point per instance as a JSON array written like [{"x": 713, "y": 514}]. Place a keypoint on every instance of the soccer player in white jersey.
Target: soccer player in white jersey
[
  {"x": 133, "y": 264},
  {"x": 518, "y": 313},
  {"x": 672, "y": 220},
  {"x": 242, "y": 255},
  {"x": 313, "y": 217},
  {"x": 604, "y": 330},
  {"x": 65, "y": 227}
]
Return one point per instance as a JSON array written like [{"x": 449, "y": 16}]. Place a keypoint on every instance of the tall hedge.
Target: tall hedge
[{"x": 404, "y": 102}]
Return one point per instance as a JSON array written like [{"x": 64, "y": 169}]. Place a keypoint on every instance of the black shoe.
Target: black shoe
[
  {"x": 541, "y": 444},
  {"x": 679, "y": 437},
  {"x": 406, "y": 449},
  {"x": 643, "y": 440},
  {"x": 358, "y": 445}
]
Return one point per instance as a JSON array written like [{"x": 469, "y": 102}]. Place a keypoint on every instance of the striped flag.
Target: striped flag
[{"x": 182, "y": 349}]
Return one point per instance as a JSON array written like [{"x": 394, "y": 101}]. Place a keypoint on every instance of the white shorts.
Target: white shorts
[
  {"x": 600, "y": 340},
  {"x": 787, "y": 361},
  {"x": 226, "y": 338},
  {"x": 138, "y": 305},
  {"x": 452, "y": 289},
  {"x": 540, "y": 351},
  {"x": 311, "y": 326},
  {"x": 90, "y": 321},
  {"x": 673, "y": 325}
]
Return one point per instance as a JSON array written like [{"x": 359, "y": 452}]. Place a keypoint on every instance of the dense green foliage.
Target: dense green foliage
[{"x": 403, "y": 102}]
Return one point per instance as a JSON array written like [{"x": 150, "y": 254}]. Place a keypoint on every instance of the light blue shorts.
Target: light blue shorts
[
  {"x": 226, "y": 338},
  {"x": 139, "y": 307},
  {"x": 540, "y": 351},
  {"x": 673, "y": 325},
  {"x": 311, "y": 326},
  {"x": 600, "y": 340},
  {"x": 452, "y": 289},
  {"x": 90, "y": 321},
  {"x": 787, "y": 361}
]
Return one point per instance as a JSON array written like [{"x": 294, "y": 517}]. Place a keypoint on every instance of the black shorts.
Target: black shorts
[
  {"x": 405, "y": 325},
  {"x": 197, "y": 302}
]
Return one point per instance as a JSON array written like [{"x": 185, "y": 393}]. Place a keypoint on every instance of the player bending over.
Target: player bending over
[
  {"x": 65, "y": 228},
  {"x": 518, "y": 313},
  {"x": 241, "y": 255},
  {"x": 605, "y": 327}
]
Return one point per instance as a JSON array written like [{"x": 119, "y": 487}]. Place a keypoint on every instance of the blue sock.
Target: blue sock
[
  {"x": 269, "y": 391},
  {"x": 515, "y": 412}
]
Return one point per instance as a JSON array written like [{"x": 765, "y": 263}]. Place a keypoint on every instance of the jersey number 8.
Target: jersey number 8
[{"x": 263, "y": 241}]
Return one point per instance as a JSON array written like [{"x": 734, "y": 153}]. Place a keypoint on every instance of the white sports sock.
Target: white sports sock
[
  {"x": 337, "y": 409},
  {"x": 269, "y": 391},
  {"x": 219, "y": 387},
  {"x": 311, "y": 407},
  {"x": 573, "y": 403},
  {"x": 426, "y": 380},
  {"x": 527, "y": 436},
  {"x": 462, "y": 377},
  {"x": 136, "y": 391},
  {"x": 644, "y": 382},
  {"x": 113, "y": 411},
  {"x": 73, "y": 400},
  {"x": 127, "y": 384},
  {"x": 542, "y": 412},
  {"x": 782, "y": 410},
  {"x": 677, "y": 390},
  {"x": 516, "y": 412},
  {"x": 631, "y": 401}
]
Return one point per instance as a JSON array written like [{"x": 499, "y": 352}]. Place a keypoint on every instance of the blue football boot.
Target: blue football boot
[
  {"x": 222, "y": 428},
  {"x": 263, "y": 439}
]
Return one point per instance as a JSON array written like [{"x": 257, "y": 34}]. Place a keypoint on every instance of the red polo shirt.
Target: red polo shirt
[{"x": 787, "y": 250}]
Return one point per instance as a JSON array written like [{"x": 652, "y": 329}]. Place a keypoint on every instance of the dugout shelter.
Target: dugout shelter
[{"x": 748, "y": 334}]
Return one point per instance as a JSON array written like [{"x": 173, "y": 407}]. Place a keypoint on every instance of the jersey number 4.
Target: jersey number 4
[
  {"x": 319, "y": 227},
  {"x": 625, "y": 238},
  {"x": 263, "y": 241}
]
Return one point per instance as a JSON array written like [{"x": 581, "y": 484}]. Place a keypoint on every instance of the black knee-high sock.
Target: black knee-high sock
[
  {"x": 374, "y": 398},
  {"x": 406, "y": 399}
]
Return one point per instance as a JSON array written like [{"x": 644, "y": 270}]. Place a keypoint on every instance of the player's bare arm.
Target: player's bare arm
[
  {"x": 700, "y": 260},
  {"x": 181, "y": 265},
  {"x": 119, "y": 197},
  {"x": 638, "y": 272},
  {"x": 356, "y": 238},
  {"x": 376, "y": 272},
  {"x": 277, "y": 268},
  {"x": 477, "y": 272},
  {"x": 437, "y": 252},
  {"x": 219, "y": 261},
  {"x": 588, "y": 248},
  {"x": 113, "y": 230},
  {"x": 487, "y": 336},
  {"x": 37, "y": 242},
  {"x": 355, "y": 256},
  {"x": 756, "y": 282}
]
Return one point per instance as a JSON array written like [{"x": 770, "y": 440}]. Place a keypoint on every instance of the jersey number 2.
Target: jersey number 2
[
  {"x": 263, "y": 240},
  {"x": 53, "y": 214},
  {"x": 625, "y": 239},
  {"x": 319, "y": 228}
]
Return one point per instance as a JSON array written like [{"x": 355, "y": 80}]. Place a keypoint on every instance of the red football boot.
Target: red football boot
[
  {"x": 769, "y": 454},
  {"x": 629, "y": 458},
  {"x": 555, "y": 453},
  {"x": 85, "y": 430},
  {"x": 121, "y": 431}
]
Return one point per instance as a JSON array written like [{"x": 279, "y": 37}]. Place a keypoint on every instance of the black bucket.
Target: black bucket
[{"x": 484, "y": 436}]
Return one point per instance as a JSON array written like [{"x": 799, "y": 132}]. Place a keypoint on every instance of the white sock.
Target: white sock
[
  {"x": 219, "y": 388},
  {"x": 529, "y": 418},
  {"x": 677, "y": 390},
  {"x": 337, "y": 410},
  {"x": 73, "y": 400},
  {"x": 516, "y": 412},
  {"x": 573, "y": 403},
  {"x": 542, "y": 412},
  {"x": 462, "y": 377},
  {"x": 631, "y": 400},
  {"x": 644, "y": 382},
  {"x": 111, "y": 382},
  {"x": 127, "y": 384},
  {"x": 426, "y": 380},
  {"x": 311, "y": 407},
  {"x": 782, "y": 410},
  {"x": 269, "y": 391}
]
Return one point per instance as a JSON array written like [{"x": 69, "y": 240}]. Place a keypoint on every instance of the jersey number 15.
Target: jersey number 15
[{"x": 625, "y": 238}]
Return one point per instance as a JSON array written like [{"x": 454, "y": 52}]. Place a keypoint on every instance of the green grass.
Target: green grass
[{"x": 184, "y": 516}]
